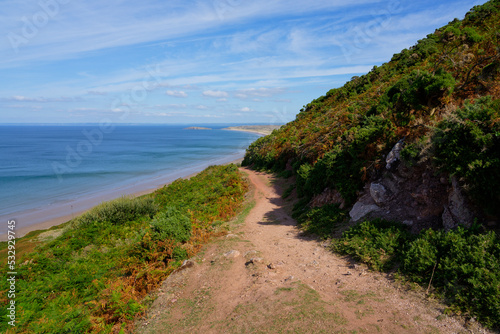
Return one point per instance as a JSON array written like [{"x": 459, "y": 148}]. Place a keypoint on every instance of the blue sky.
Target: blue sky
[{"x": 214, "y": 61}]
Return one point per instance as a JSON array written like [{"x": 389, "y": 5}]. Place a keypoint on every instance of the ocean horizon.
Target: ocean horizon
[{"x": 51, "y": 171}]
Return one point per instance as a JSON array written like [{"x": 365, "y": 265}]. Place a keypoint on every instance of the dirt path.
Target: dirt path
[{"x": 266, "y": 277}]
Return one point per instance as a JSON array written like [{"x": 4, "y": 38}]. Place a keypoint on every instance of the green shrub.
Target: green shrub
[
  {"x": 451, "y": 32},
  {"x": 480, "y": 13},
  {"x": 417, "y": 90},
  {"x": 466, "y": 267},
  {"x": 377, "y": 243},
  {"x": 179, "y": 254},
  {"x": 341, "y": 167},
  {"x": 468, "y": 145},
  {"x": 410, "y": 154},
  {"x": 171, "y": 224},
  {"x": 464, "y": 264},
  {"x": 119, "y": 211},
  {"x": 472, "y": 35},
  {"x": 426, "y": 47},
  {"x": 210, "y": 195},
  {"x": 323, "y": 220},
  {"x": 303, "y": 173}
]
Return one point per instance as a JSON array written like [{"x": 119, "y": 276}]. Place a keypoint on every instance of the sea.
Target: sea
[{"x": 49, "y": 171}]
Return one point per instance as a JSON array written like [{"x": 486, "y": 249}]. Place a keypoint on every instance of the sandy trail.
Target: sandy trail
[{"x": 267, "y": 277}]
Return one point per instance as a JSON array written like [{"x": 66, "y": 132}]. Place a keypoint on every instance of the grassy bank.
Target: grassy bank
[{"x": 94, "y": 273}]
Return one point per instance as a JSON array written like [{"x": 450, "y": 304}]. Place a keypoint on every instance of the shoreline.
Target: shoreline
[
  {"x": 262, "y": 130},
  {"x": 55, "y": 218}
]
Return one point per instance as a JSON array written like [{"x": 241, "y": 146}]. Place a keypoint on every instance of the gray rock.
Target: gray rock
[
  {"x": 394, "y": 154},
  {"x": 459, "y": 207},
  {"x": 359, "y": 210},
  {"x": 379, "y": 194},
  {"x": 448, "y": 221},
  {"x": 232, "y": 254},
  {"x": 251, "y": 252},
  {"x": 392, "y": 183}
]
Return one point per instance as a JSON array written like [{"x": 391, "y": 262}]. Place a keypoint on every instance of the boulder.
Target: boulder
[
  {"x": 360, "y": 210},
  {"x": 379, "y": 193},
  {"x": 394, "y": 154},
  {"x": 458, "y": 210}
]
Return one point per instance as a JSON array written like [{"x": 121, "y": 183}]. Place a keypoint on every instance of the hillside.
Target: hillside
[
  {"x": 94, "y": 273},
  {"x": 407, "y": 151}
]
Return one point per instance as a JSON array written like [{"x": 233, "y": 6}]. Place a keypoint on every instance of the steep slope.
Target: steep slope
[
  {"x": 341, "y": 139},
  {"x": 412, "y": 146}
]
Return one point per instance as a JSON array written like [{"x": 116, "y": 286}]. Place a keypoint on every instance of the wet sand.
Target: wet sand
[{"x": 45, "y": 218}]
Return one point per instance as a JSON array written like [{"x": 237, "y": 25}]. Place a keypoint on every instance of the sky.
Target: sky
[{"x": 195, "y": 62}]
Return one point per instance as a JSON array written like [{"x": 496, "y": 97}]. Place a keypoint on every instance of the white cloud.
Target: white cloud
[
  {"x": 168, "y": 106},
  {"x": 21, "y": 98},
  {"x": 245, "y": 109},
  {"x": 95, "y": 92},
  {"x": 80, "y": 27},
  {"x": 86, "y": 109},
  {"x": 258, "y": 92},
  {"x": 176, "y": 93},
  {"x": 259, "y": 51},
  {"x": 215, "y": 93}
]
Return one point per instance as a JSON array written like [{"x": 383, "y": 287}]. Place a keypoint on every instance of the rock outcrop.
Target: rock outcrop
[{"x": 415, "y": 196}]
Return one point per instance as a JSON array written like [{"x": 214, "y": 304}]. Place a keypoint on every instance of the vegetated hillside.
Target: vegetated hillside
[
  {"x": 415, "y": 141},
  {"x": 93, "y": 274},
  {"x": 440, "y": 96}
]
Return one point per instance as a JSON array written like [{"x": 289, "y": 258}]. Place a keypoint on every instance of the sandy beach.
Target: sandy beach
[
  {"x": 46, "y": 218},
  {"x": 263, "y": 130}
]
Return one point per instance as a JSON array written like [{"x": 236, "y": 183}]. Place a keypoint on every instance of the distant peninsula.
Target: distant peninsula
[
  {"x": 260, "y": 129},
  {"x": 197, "y": 128}
]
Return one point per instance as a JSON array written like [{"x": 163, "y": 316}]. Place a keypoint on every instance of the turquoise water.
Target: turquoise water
[{"x": 49, "y": 166}]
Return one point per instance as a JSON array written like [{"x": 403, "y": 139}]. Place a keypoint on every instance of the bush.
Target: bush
[
  {"x": 467, "y": 269},
  {"x": 426, "y": 47},
  {"x": 472, "y": 35},
  {"x": 468, "y": 145},
  {"x": 209, "y": 196},
  {"x": 322, "y": 221},
  {"x": 179, "y": 254},
  {"x": 465, "y": 263},
  {"x": 378, "y": 243},
  {"x": 418, "y": 90},
  {"x": 171, "y": 224},
  {"x": 119, "y": 211},
  {"x": 480, "y": 13},
  {"x": 341, "y": 167}
]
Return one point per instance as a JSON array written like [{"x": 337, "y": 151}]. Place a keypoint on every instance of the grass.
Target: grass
[
  {"x": 292, "y": 309},
  {"x": 95, "y": 276}
]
